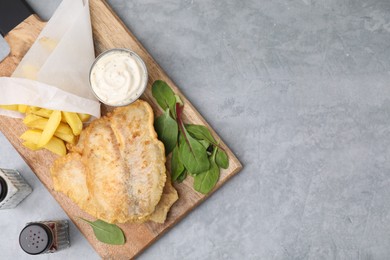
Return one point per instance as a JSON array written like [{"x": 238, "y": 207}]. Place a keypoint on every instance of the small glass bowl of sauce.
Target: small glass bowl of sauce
[{"x": 118, "y": 77}]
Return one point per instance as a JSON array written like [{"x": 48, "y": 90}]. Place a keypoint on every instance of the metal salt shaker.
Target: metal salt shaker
[{"x": 13, "y": 188}]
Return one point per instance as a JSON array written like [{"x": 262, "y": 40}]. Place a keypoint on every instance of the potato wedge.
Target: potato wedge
[
  {"x": 30, "y": 145},
  {"x": 30, "y": 72},
  {"x": 84, "y": 117},
  {"x": 31, "y": 118},
  {"x": 74, "y": 122},
  {"x": 31, "y": 109},
  {"x": 55, "y": 144},
  {"x": 22, "y": 108},
  {"x": 32, "y": 136},
  {"x": 10, "y": 107},
  {"x": 43, "y": 112},
  {"x": 63, "y": 130},
  {"x": 38, "y": 122},
  {"x": 69, "y": 138},
  {"x": 50, "y": 128},
  {"x": 48, "y": 43}
]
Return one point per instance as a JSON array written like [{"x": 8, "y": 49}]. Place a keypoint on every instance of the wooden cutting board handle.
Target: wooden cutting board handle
[{"x": 20, "y": 40}]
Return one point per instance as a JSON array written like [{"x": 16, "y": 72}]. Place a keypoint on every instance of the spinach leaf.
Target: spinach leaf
[
  {"x": 222, "y": 159},
  {"x": 164, "y": 95},
  {"x": 167, "y": 131},
  {"x": 205, "y": 143},
  {"x": 107, "y": 233},
  {"x": 177, "y": 167},
  {"x": 182, "y": 176},
  {"x": 191, "y": 145},
  {"x": 192, "y": 154},
  {"x": 188, "y": 173},
  {"x": 204, "y": 182},
  {"x": 200, "y": 132}
]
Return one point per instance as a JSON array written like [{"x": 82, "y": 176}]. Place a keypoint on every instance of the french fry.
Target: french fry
[
  {"x": 74, "y": 122},
  {"x": 84, "y": 117},
  {"x": 50, "y": 128},
  {"x": 55, "y": 144},
  {"x": 22, "y": 108},
  {"x": 10, "y": 107}
]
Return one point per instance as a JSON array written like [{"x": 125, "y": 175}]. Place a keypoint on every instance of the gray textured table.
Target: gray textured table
[{"x": 300, "y": 91}]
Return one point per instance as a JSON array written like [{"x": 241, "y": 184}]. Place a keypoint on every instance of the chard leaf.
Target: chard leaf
[
  {"x": 106, "y": 232},
  {"x": 222, "y": 159},
  {"x": 167, "y": 131},
  {"x": 200, "y": 132},
  {"x": 178, "y": 100},
  {"x": 204, "y": 182},
  {"x": 177, "y": 167},
  {"x": 164, "y": 95}
]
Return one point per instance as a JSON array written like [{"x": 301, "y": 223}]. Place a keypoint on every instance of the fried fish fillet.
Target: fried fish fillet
[
  {"x": 168, "y": 198},
  {"x": 116, "y": 172}
]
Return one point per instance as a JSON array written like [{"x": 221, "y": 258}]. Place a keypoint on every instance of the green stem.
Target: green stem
[{"x": 214, "y": 154}]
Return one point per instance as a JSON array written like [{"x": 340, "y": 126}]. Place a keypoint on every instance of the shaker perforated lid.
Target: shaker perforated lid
[
  {"x": 35, "y": 238},
  {"x": 3, "y": 189}
]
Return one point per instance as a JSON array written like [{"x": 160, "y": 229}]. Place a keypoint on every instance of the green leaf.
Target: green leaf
[
  {"x": 200, "y": 132},
  {"x": 204, "y": 182},
  {"x": 164, "y": 95},
  {"x": 182, "y": 176},
  {"x": 222, "y": 159},
  {"x": 178, "y": 100},
  {"x": 192, "y": 154},
  {"x": 106, "y": 232},
  {"x": 167, "y": 131},
  {"x": 205, "y": 143},
  {"x": 188, "y": 173},
  {"x": 177, "y": 167}
]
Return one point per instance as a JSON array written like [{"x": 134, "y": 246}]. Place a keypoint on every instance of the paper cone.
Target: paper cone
[{"x": 54, "y": 73}]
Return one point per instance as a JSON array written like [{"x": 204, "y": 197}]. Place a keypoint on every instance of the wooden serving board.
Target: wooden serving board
[{"x": 108, "y": 32}]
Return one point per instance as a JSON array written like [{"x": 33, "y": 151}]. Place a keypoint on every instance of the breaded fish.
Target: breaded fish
[{"x": 116, "y": 172}]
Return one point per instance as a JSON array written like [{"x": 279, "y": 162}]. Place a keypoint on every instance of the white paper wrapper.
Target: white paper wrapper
[{"x": 54, "y": 74}]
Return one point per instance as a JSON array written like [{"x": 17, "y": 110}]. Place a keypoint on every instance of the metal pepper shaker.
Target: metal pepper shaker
[{"x": 44, "y": 237}]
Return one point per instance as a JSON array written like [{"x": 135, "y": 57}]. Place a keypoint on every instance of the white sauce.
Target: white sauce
[{"x": 118, "y": 77}]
